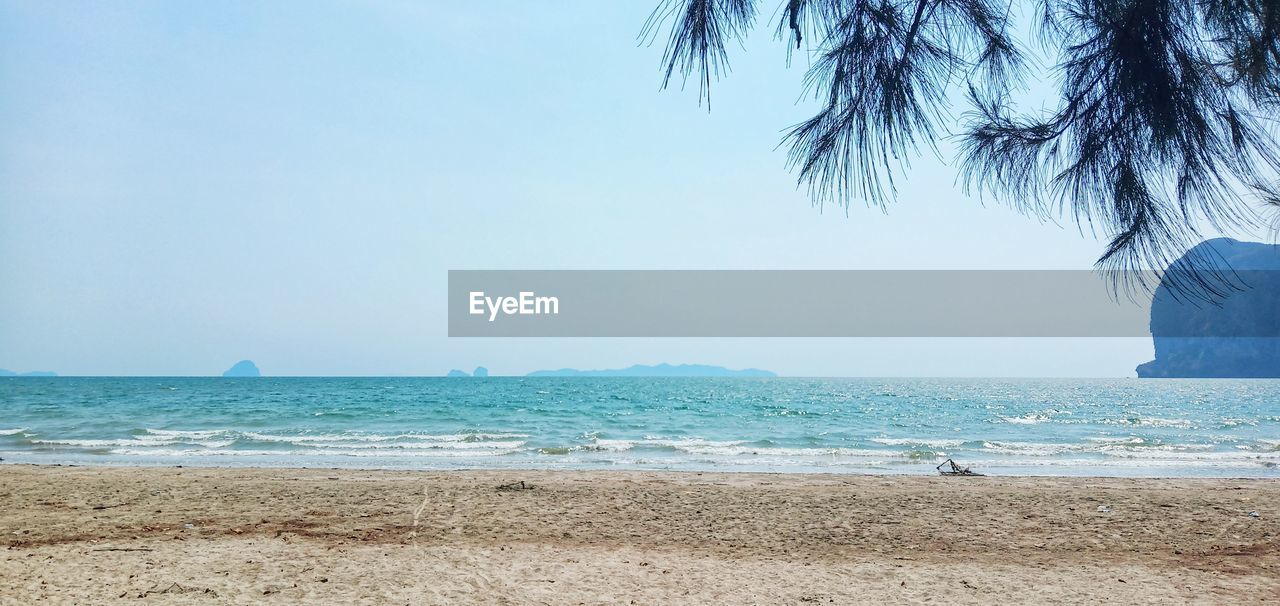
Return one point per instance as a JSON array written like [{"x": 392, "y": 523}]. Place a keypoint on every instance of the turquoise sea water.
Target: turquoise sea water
[{"x": 999, "y": 426}]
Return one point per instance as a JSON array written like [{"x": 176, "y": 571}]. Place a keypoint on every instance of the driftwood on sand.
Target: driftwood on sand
[
  {"x": 954, "y": 469},
  {"x": 516, "y": 486}
]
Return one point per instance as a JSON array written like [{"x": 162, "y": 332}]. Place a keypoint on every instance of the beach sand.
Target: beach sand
[{"x": 223, "y": 535}]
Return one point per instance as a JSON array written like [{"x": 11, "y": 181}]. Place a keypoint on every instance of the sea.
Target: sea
[{"x": 1060, "y": 427}]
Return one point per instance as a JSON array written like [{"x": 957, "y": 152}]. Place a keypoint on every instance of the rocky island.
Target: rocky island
[
  {"x": 1234, "y": 335},
  {"x": 243, "y": 368}
]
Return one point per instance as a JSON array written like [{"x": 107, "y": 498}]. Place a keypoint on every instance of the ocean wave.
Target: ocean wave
[
  {"x": 133, "y": 443},
  {"x": 145, "y": 445},
  {"x": 1207, "y": 462},
  {"x": 1233, "y": 422},
  {"x": 387, "y": 453},
  {"x": 177, "y": 433},
  {"x": 928, "y": 443},
  {"x": 418, "y": 445},
  {"x": 1028, "y": 419},
  {"x": 153, "y": 440},
  {"x": 1134, "y": 440},
  {"x": 737, "y": 448},
  {"x": 12, "y": 432},
  {"x": 368, "y": 437},
  {"x": 1150, "y": 422},
  {"x": 650, "y": 442},
  {"x": 1037, "y": 418},
  {"x": 733, "y": 451},
  {"x": 1142, "y": 449},
  {"x": 840, "y": 450}
]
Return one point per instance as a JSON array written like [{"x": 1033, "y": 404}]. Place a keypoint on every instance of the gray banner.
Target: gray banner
[{"x": 786, "y": 303}]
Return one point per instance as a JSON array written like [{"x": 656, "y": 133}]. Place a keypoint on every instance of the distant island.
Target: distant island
[
  {"x": 243, "y": 368},
  {"x": 1234, "y": 338},
  {"x": 480, "y": 372},
  {"x": 660, "y": 370},
  {"x": 33, "y": 373}
]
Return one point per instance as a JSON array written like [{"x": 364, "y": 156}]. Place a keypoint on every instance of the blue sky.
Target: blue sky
[{"x": 183, "y": 185}]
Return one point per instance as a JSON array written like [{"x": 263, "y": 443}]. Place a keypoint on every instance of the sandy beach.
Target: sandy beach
[{"x": 220, "y": 535}]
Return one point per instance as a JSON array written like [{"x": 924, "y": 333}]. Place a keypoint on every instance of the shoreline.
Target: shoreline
[
  {"x": 920, "y": 470},
  {"x": 217, "y": 534}
]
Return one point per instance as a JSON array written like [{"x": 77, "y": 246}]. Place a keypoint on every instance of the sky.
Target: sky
[{"x": 184, "y": 185}]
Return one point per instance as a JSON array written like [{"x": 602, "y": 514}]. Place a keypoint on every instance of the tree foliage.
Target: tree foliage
[{"x": 1162, "y": 121}]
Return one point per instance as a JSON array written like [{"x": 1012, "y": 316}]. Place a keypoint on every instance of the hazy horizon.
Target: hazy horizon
[{"x": 499, "y": 373}]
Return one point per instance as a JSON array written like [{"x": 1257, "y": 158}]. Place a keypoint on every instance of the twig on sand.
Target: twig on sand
[
  {"x": 124, "y": 549},
  {"x": 955, "y": 470},
  {"x": 174, "y": 588},
  {"x": 101, "y": 507},
  {"x": 515, "y": 486}
]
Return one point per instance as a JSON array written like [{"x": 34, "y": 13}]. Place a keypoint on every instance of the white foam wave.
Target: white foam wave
[
  {"x": 420, "y": 445},
  {"x": 1231, "y": 422},
  {"x": 176, "y": 433},
  {"x": 388, "y": 453},
  {"x": 1118, "y": 440},
  {"x": 657, "y": 442},
  {"x": 134, "y": 443},
  {"x": 1151, "y": 422},
  {"x": 1118, "y": 450},
  {"x": 361, "y": 437},
  {"x": 1173, "y": 452},
  {"x": 1232, "y": 462},
  {"x": 734, "y": 448},
  {"x": 1030, "y": 419},
  {"x": 156, "y": 439},
  {"x": 817, "y": 453},
  {"x": 927, "y": 443},
  {"x": 610, "y": 445}
]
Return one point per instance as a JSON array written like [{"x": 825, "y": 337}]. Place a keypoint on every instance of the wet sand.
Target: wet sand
[{"x": 224, "y": 535}]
